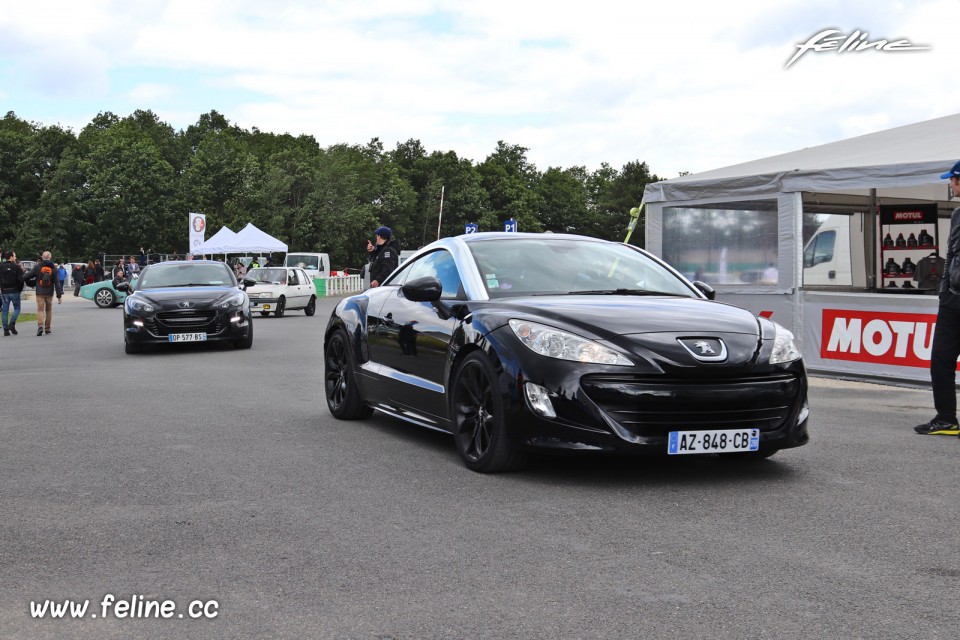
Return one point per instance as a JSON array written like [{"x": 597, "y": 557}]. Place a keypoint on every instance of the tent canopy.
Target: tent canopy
[
  {"x": 250, "y": 239},
  {"x": 904, "y": 162},
  {"x": 216, "y": 243}
]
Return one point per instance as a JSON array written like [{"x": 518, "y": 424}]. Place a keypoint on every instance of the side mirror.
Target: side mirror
[
  {"x": 123, "y": 286},
  {"x": 248, "y": 282},
  {"x": 705, "y": 289},
  {"x": 426, "y": 289}
]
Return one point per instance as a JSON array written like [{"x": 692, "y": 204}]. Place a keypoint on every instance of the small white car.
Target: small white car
[{"x": 281, "y": 289}]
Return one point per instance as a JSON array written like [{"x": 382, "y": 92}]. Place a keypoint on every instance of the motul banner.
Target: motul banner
[
  {"x": 898, "y": 339},
  {"x": 198, "y": 227}
]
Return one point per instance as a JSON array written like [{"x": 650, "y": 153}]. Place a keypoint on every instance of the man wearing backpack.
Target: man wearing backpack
[
  {"x": 11, "y": 284},
  {"x": 48, "y": 285}
]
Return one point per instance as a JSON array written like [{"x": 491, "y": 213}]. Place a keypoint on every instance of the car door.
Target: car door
[
  {"x": 413, "y": 338},
  {"x": 296, "y": 286}
]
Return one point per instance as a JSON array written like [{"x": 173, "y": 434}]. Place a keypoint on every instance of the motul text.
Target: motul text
[{"x": 900, "y": 339}]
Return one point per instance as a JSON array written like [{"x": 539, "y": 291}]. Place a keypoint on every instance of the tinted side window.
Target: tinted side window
[{"x": 440, "y": 265}]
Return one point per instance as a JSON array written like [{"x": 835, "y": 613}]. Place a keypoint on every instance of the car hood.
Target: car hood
[
  {"x": 608, "y": 316},
  {"x": 170, "y": 298},
  {"x": 660, "y": 334}
]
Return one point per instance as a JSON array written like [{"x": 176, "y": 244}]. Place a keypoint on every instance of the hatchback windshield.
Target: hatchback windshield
[
  {"x": 569, "y": 266},
  {"x": 271, "y": 276},
  {"x": 302, "y": 261},
  {"x": 186, "y": 274}
]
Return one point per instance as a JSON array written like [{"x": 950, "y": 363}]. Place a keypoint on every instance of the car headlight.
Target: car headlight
[
  {"x": 140, "y": 306},
  {"x": 784, "y": 347},
  {"x": 554, "y": 343},
  {"x": 231, "y": 301}
]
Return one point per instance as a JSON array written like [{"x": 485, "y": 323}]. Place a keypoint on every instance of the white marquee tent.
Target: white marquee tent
[
  {"x": 250, "y": 239},
  {"x": 216, "y": 243}
]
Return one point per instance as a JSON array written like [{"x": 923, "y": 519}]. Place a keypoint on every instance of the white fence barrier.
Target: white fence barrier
[{"x": 339, "y": 285}]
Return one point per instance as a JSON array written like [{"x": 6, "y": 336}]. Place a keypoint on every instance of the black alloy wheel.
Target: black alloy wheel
[
  {"x": 132, "y": 347},
  {"x": 281, "y": 307},
  {"x": 311, "y": 307},
  {"x": 478, "y": 424},
  {"x": 340, "y": 387}
]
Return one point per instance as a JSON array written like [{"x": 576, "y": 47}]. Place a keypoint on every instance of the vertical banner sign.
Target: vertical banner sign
[
  {"x": 510, "y": 226},
  {"x": 198, "y": 228},
  {"x": 471, "y": 227}
]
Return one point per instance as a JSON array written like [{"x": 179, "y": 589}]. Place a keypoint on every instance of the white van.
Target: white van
[
  {"x": 317, "y": 265},
  {"x": 829, "y": 258}
]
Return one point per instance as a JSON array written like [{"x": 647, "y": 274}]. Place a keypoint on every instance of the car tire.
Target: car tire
[
  {"x": 247, "y": 341},
  {"x": 340, "y": 384},
  {"x": 264, "y": 314},
  {"x": 281, "y": 307},
  {"x": 479, "y": 428},
  {"x": 311, "y": 307},
  {"x": 132, "y": 347},
  {"x": 104, "y": 298}
]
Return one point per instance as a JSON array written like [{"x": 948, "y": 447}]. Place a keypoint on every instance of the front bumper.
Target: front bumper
[
  {"x": 217, "y": 324},
  {"x": 263, "y": 304}
]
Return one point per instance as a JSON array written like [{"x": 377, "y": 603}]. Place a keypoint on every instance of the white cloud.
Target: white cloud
[{"x": 684, "y": 87}]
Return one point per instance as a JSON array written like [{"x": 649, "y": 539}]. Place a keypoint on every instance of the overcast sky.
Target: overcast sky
[{"x": 684, "y": 86}]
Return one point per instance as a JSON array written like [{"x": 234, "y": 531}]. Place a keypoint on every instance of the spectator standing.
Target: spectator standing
[
  {"x": 98, "y": 271},
  {"x": 90, "y": 273},
  {"x": 11, "y": 284},
  {"x": 77, "y": 279},
  {"x": 62, "y": 274},
  {"x": 132, "y": 268},
  {"x": 48, "y": 285}
]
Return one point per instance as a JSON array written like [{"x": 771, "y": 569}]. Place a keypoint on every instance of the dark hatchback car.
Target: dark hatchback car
[
  {"x": 523, "y": 342},
  {"x": 186, "y": 301}
]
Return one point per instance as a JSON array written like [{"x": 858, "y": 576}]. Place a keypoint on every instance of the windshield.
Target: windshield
[
  {"x": 542, "y": 266},
  {"x": 271, "y": 276},
  {"x": 186, "y": 274},
  {"x": 302, "y": 261}
]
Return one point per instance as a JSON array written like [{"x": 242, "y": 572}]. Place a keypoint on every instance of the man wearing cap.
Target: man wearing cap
[
  {"x": 946, "y": 336},
  {"x": 384, "y": 257}
]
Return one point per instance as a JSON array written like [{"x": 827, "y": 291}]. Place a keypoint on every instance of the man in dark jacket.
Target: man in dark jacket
[
  {"x": 384, "y": 257},
  {"x": 48, "y": 285},
  {"x": 11, "y": 284},
  {"x": 946, "y": 339}
]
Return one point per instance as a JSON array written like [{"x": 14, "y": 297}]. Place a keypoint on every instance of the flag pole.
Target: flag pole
[{"x": 440, "y": 221}]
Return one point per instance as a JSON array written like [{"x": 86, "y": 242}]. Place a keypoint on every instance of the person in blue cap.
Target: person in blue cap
[
  {"x": 384, "y": 257},
  {"x": 946, "y": 337}
]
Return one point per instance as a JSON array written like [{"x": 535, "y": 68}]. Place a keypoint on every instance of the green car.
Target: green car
[{"x": 103, "y": 294}]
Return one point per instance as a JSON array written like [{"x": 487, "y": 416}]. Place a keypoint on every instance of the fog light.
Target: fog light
[
  {"x": 539, "y": 400},
  {"x": 138, "y": 323},
  {"x": 236, "y": 318}
]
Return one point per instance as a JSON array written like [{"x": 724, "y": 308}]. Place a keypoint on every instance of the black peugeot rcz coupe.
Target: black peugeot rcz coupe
[
  {"x": 518, "y": 342},
  {"x": 186, "y": 301}
]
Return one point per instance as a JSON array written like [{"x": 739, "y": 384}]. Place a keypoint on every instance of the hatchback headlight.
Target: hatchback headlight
[
  {"x": 554, "y": 343},
  {"x": 231, "y": 301},
  {"x": 141, "y": 306},
  {"x": 784, "y": 347}
]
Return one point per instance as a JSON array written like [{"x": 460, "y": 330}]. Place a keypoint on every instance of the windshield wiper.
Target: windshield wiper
[{"x": 621, "y": 292}]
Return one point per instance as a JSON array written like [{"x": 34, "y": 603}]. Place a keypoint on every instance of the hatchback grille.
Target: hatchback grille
[{"x": 654, "y": 407}]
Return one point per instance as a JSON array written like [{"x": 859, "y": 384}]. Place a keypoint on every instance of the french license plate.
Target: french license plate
[
  {"x": 187, "y": 337},
  {"x": 719, "y": 441}
]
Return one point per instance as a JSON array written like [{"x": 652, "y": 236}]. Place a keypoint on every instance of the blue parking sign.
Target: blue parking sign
[
  {"x": 510, "y": 226},
  {"x": 471, "y": 227}
]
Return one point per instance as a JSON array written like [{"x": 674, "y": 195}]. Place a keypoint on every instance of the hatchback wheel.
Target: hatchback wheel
[
  {"x": 281, "y": 307},
  {"x": 311, "y": 307},
  {"x": 340, "y": 385},
  {"x": 478, "y": 424}
]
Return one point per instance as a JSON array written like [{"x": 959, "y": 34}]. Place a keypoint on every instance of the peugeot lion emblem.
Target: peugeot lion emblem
[
  {"x": 184, "y": 305},
  {"x": 705, "y": 349}
]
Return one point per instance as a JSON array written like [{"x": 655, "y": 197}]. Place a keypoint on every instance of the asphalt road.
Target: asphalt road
[{"x": 202, "y": 474}]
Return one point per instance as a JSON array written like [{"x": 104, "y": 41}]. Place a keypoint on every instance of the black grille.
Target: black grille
[
  {"x": 655, "y": 407},
  {"x": 187, "y": 320}
]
